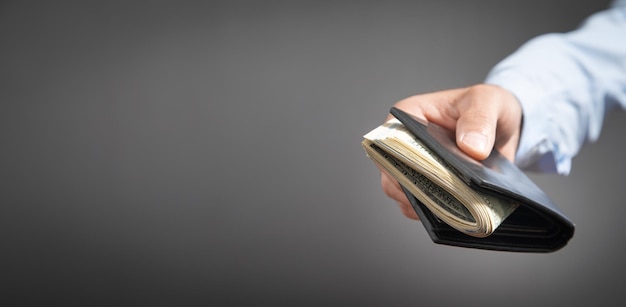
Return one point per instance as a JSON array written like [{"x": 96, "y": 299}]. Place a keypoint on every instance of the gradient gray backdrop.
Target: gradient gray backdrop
[{"x": 207, "y": 153}]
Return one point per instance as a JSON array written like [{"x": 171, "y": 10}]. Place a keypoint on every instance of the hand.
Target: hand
[{"x": 483, "y": 116}]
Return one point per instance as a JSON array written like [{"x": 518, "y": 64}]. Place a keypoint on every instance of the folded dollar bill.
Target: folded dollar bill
[{"x": 434, "y": 182}]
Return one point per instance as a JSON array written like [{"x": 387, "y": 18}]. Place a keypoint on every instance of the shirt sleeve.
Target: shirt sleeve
[{"x": 565, "y": 83}]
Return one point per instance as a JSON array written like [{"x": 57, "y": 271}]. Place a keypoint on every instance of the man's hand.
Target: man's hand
[{"x": 483, "y": 116}]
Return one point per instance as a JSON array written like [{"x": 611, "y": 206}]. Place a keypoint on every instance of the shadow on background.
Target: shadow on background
[{"x": 207, "y": 153}]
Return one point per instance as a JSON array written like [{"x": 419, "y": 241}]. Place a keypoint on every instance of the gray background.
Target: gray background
[{"x": 181, "y": 153}]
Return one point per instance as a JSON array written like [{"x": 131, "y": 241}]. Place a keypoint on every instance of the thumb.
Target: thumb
[{"x": 476, "y": 130}]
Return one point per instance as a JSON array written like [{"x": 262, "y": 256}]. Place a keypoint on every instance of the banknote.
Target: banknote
[{"x": 434, "y": 182}]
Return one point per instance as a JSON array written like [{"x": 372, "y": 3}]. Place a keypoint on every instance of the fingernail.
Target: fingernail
[{"x": 475, "y": 140}]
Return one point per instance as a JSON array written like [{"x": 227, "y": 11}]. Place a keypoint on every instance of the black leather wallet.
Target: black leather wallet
[{"x": 537, "y": 225}]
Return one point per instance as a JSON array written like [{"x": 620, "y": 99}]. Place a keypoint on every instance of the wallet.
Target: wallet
[{"x": 537, "y": 225}]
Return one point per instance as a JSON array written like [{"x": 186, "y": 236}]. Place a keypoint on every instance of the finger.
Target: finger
[
  {"x": 477, "y": 122},
  {"x": 393, "y": 190},
  {"x": 436, "y": 107}
]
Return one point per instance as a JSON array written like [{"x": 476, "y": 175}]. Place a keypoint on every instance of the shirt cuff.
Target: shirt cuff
[{"x": 536, "y": 152}]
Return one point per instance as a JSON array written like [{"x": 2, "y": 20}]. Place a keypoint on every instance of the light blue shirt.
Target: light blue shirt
[{"x": 565, "y": 83}]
